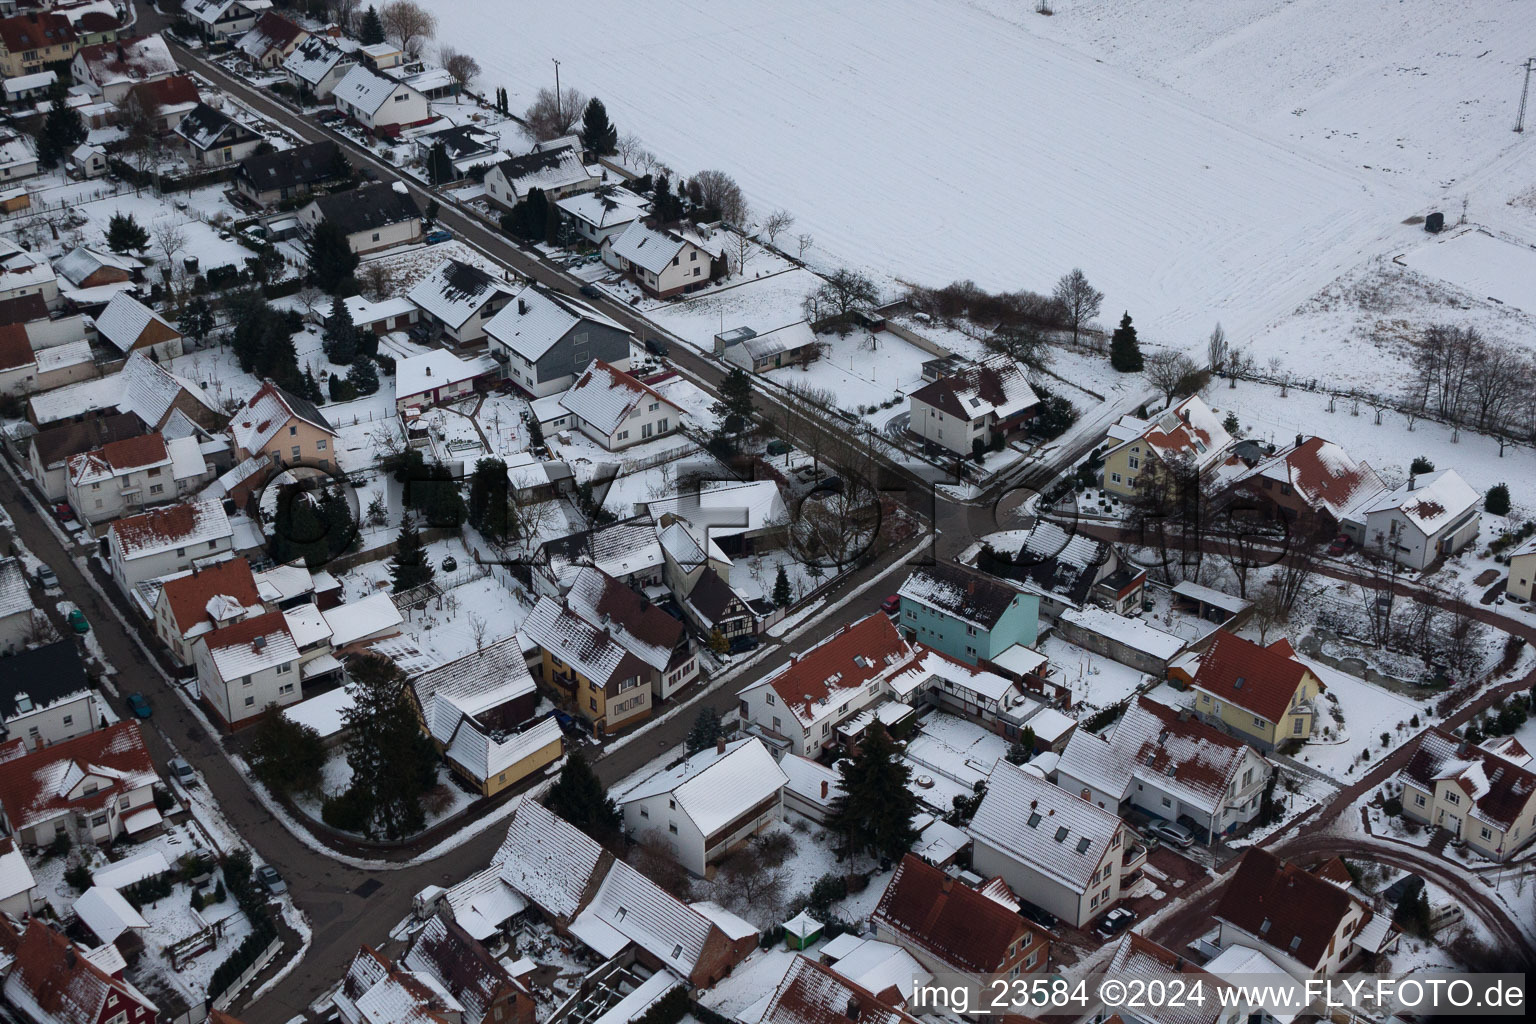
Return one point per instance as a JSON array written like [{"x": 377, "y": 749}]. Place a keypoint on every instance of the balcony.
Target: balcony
[{"x": 1131, "y": 860}]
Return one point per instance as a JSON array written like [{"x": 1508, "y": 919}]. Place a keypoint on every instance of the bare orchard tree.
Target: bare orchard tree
[
  {"x": 343, "y": 10},
  {"x": 170, "y": 238},
  {"x": 628, "y": 148},
  {"x": 1497, "y": 377},
  {"x": 1166, "y": 370},
  {"x": 840, "y": 293},
  {"x": 1463, "y": 635},
  {"x": 803, "y": 242},
  {"x": 1296, "y": 572},
  {"x": 776, "y": 223},
  {"x": 719, "y": 191},
  {"x": 741, "y": 252},
  {"x": 409, "y": 25},
  {"x": 1023, "y": 343},
  {"x": 477, "y": 629},
  {"x": 550, "y": 116},
  {"x": 1267, "y": 612},
  {"x": 748, "y": 885},
  {"x": 464, "y": 68},
  {"x": 1216, "y": 349},
  {"x": 310, "y": 298},
  {"x": 1079, "y": 300},
  {"x": 377, "y": 279}
]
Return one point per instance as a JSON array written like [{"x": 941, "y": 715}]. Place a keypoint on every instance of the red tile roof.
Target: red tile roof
[
  {"x": 957, "y": 924},
  {"x": 1258, "y": 679},
  {"x": 844, "y": 661},
  {"x": 175, "y": 91},
  {"x": 1499, "y": 788},
  {"x": 133, "y": 452},
  {"x": 1283, "y": 905},
  {"x": 15, "y": 349},
  {"x": 36, "y": 787},
  {"x": 64, "y": 984},
  {"x": 811, "y": 993},
  {"x": 35, "y": 31},
  {"x": 188, "y": 596},
  {"x": 276, "y": 30}
]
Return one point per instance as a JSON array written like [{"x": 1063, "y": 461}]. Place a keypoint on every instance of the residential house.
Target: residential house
[
  {"x": 544, "y": 340},
  {"x": 1072, "y": 858},
  {"x": 110, "y": 70},
  {"x": 22, "y": 88},
  {"x": 558, "y": 172},
  {"x": 62, "y": 365},
  {"x": 220, "y": 20},
  {"x": 271, "y": 40},
  {"x": 356, "y": 624},
  {"x": 131, "y": 326},
  {"x": 714, "y": 606},
  {"x": 87, "y": 161},
  {"x": 109, "y": 918},
  {"x": 1427, "y": 518},
  {"x": 550, "y": 862},
  {"x": 45, "y": 695},
  {"x": 214, "y": 139},
  {"x": 992, "y": 698},
  {"x": 23, "y": 273},
  {"x": 18, "y": 889},
  {"x": 1169, "y": 765},
  {"x": 978, "y": 406},
  {"x": 600, "y": 214},
  {"x": 738, "y": 517},
  {"x": 165, "y": 101},
  {"x": 28, "y": 307},
  {"x": 87, "y": 267},
  {"x": 30, "y": 42},
  {"x": 453, "y": 961},
  {"x": 247, "y": 666},
  {"x": 1313, "y": 483},
  {"x": 316, "y": 66},
  {"x": 583, "y": 661},
  {"x": 382, "y": 317},
  {"x": 206, "y": 598},
  {"x": 142, "y": 387},
  {"x": 1067, "y": 570},
  {"x": 18, "y": 159},
  {"x": 479, "y": 711},
  {"x": 811, "y": 788},
  {"x": 382, "y": 56},
  {"x": 1189, "y": 436},
  {"x": 50, "y": 449},
  {"x": 54, "y": 981},
  {"x": 290, "y": 430},
  {"x": 1307, "y": 924},
  {"x": 449, "y": 154},
  {"x": 126, "y": 477},
  {"x": 373, "y": 217},
  {"x": 95, "y": 21},
  {"x": 166, "y": 540},
  {"x": 950, "y": 927},
  {"x": 966, "y": 614},
  {"x": 813, "y": 993},
  {"x": 618, "y": 411},
  {"x": 708, "y": 805},
  {"x": 1482, "y": 797},
  {"x": 639, "y": 626},
  {"x": 267, "y": 178},
  {"x": 1522, "y": 571},
  {"x": 1266, "y": 695},
  {"x": 376, "y": 991},
  {"x": 381, "y": 105},
  {"x": 18, "y": 363},
  {"x": 685, "y": 558},
  {"x": 17, "y": 623},
  {"x": 797, "y": 705},
  {"x": 665, "y": 261},
  {"x": 95, "y": 787},
  {"x": 438, "y": 376},
  {"x": 791, "y": 345},
  {"x": 459, "y": 299},
  {"x": 1136, "y": 957},
  {"x": 628, "y": 550}
]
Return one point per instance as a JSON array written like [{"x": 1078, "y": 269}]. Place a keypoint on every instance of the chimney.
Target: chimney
[
  {"x": 429, "y": 371},
  {"x": 1412, "y": 481},
  {"x": 947, "y": 884},
  {"x": 853, "y": 1008},
  {"x": 720, "y": 744},
  {"x": 522, "y": 307},
  {"x": 825, "y": 785},
  {"x": 1298, "y": 440}
]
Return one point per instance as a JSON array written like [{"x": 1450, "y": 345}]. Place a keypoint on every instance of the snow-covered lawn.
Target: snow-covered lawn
[
  {"x": 1095, "y": 681},
  {"x": 1482, "y": 265},
  {"x": 762, "y": 304},
  {"x": 948, "y": 757},
  {"x": 1368, "y": 711}
]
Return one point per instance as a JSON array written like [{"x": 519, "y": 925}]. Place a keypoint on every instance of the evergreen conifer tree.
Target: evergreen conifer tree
[
  {"x": 598, "y": 135},
  {"x": 331, "y": 259},
  {"x": 363, "y": 376},
  {"x": 580, "y": 797},
  {"x": 874, "y": 815},
  {"x": 1124, "y": 350},
  {"x": 705, "y": 731},
  {"x": 409, "y": 568},
  {"x": 782, "y": 595},
  {"x": 372, "y": 28},
  {"x": 124, "y": 234},
  {"x": 339, "y": 335}
]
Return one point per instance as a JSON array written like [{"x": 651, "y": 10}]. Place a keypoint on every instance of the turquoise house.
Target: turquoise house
[{"x": 967, "y": 615}]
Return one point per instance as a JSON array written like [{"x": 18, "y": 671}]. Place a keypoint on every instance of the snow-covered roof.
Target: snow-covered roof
[
  {"x": 24, "y": 83},
  {"x": 456, "y": 291},
  {"x": 585, "y": 646},
  {"x": 812, "y": 993},
  {"x": 814, "y": 685},
  {"x": 789, "y": 338},
  {"x": 356, "y": 620},
  {"x": 644, "y": 913},
  {"x": 251, "y": 645},
  {"x": 178, "y": 526},
  {"x": 267, "y": 411},
  {"x": 436, "y": 368},
  {"x": 322, "y": 713},
  {"x": 928, "y": 666},
  {"x": 959, "y": 592},
  {"x": 306, "y": 624},
  {"x": 204, "y": 127},
  {"x": 143, "y": 387},
  {"x": 366, "y": 90},
  {"x": 1322, "y": 474},
  {"x": 603, "y": 397},
  {"x": 1498, "y": 788},
  {"x": 272, "y": 31},
  {"x": 106, "y": 913},
  {"x": 482, "y": 902},
  {"x": 313, "y": 59},
  {"x": 1190, "y": 429},
  {"x": 537, "y": 318},
  {"x": 996, "y": 387},
  {"x": 1133, "y": 633},
  {"x": 134, "y": 59},
  {"x": 644, "y": 629},
  {"x": 714, "y": 787},
  {"x": 604, "y": 209},
  {"x": 805, "y": 778},
  {"x": 1432, "y": 502},
  {"x": 472, "y": 685},
  {"x": 726, "y": 508},
  {"x": 735, "y": 928},
  {"x": 15, "y": 597},
  {"x": 210, "y": 11},
  {"x": 1056, "y": 832},
  {"x": 82, "y": 261},
  {"x": 653, "y": 249},
  {"x": 547, "y": 859},
  {"x": 15, "y": 875},
  {"x": 118, "y": 458},
  {"x": 1019, "y": 659},
  {"x": 551, "y": 170}
]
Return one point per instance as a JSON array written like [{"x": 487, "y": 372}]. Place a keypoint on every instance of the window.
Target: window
[
  {"x": 285, "y": 668},
  {"x": 592, "y": 701},
  {"x": 1296, "y": 726},
  {"x": 245, "y": 680},
  {"x": 622, "y": 435},
  {"x": 693, "y": 256},
  {"x": 769, "y": 698},
  {"x": 776, "y": 723},
  {"x": 1453, "y": 798},
  {"x": 644, "y": 813},
  {"x": 672, "y": 827},
  {"x": 285, "y": 689},
  {"x": 1258, "y": 723},
  {"x": 1418, "y": 799},
  {"x": 375, "y": 236},
  {"x": 69, "y": 719},
  {"x": 181, "y": 551},
  {"x": 320, "y": 445},
  {"x": 824, "y": 728},
  {"x": 156, "y": 488},
  {"x": 293, "y": 431},
  {"x": 298, "y": 452},
  {"x": 1133, "y": 463},
  {"x": 250, "y": 701},
  {"x": 695, "y": 269},
  {"x": 1095, "y": 901},
  {"x": 1486, "y": 833},
  {"x": 1167, "y": 802},
  {"x": 970, "y": 630},
  {"x": 1114, "y": 478}
]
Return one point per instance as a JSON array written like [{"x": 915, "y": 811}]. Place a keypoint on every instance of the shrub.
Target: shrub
[
  {"x": 1393, "y": 807},
  {"x": 197, "y": 899},
  {"x": 1421, "y": 465},
  {"x": 349, "y": 811},
  {"x": 79, "y": 877},
  {"x": 828, "y": 890},
  {"x": 669, "y": 1009}
]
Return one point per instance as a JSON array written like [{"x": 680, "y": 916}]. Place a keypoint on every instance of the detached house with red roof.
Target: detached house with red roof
[
  {"x": 1265, "y": 695},
  {"x": 128, "y": 476},
  {"x": 1484, "y": 798},
  {"x": 95, "y": 788},
  {"x": 981, "y": 403},
  {"x": 1190, "y": 432},
  {"x": 271, "y": 40},
  {"x": 247, "y": 666},
  {"x": 54, "y": 981},
  {"x": 618, "y": 411},
  {"x": 198, "y": 602},
  {"x": 166, "y": 100},
  {"x": 1314, "y": 483},
  {"x": 950, "y": 927},
  {"x": 110, "y": 70},
  {"x": 29, "y": 42},
  {"x": 1428, "y": 517},
  {"x": 163, "y": 541},
  {"x": 285, "y": 428}
]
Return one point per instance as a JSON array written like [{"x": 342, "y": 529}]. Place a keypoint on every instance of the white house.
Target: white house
[
  {"x": 709, "y": 804},
  {"x": 46, "y": 697},
  {"x": 1072, "y": 858},
  {"x": 980, "y": 403},
  {"x": 1169, "y": 765},
  {"x": 110, "y": 70},
  {"x": 224, "y": 19},
  {"x": 185, "y": 606},
  {"x": 16, "y": 610},
  {"x": 789, "y": 345},
  {"x": 17, "y": 886},
  {"x": 167, "y": 540},
  {"x": 87, "y": 161},
  {"x": 558, "y": 172},
  {"x": 602, "y": 213},
  {"x": 665, "y": 261},
  {"x": 1427, "y": 517},
  {"x": 616, "y": 410},
  {"x": 125, "y": 477},
  {"x": 317, "y": 66},
  {"x": 382, "y": 105},
  {"x": 544, "y": 339},
  {"x": 18, "y": 158},
  {"x": 460, "y": 299},
  {"x": 247, "y": 666},
  {"x": 437, "y": 375},
  {"x": 23, "y": 273},
  {"x": 373, "y": 217},
  {"x": 95, "y": 787},
  {"x": 212, "y": 138}
]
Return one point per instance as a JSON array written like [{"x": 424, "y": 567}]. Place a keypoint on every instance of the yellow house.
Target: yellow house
[
  {"x": 479, "y": 712},
  {"x": 29, "y": 42},
  {"x": 1484, "y": 797},
  {"x": 1189, "y": 430},
  {"x": 1263, "y": 694},
  {"x": 1522, "y": 571},
  {"x": 283, "y": 426},
  {"x": 588, "y": 667}
]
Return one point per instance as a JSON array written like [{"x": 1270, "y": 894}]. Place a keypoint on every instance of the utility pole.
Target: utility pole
[
  {"x": 1530, "y": 65},
  {"x": 560, "y": 114}
]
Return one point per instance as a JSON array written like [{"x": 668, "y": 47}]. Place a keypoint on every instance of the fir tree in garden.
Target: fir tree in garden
[
  {"x": 393, "y": 763},
  {"x": 124, "y": 234},
  {"x": 1497, "y": 502},
  {"x": 782, "y": 595},
  {"x": 735, "y": 404},
  {"x": 874, "y": 814},
  {"x": 580, "y": 797},
  {"x": 298, "y": 528},
  {"x": 336, "y": 516},
  {"x": 363, "y": 376},
  {"x": 339, "y": 336},
  {"x": 311, "y": 389},
  {"x": 598, "y": 135},
  {"x": 61, "y": 130},
  {"x": 331, "y": 259},
  {"x": 196, "y": 319},
  {"x": 372, "y": 28},
  {"x": 705, "y": 731},
  {"x": 490, "y": 509},
  {"x": 1124, "y": 350},
  {"x": 409, "y": 568}
]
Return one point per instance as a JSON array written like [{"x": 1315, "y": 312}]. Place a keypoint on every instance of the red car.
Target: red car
[
  {"x": 64, "y": 512},
  {"x": 891, "y": 605},
  {"x": 1340, "y": 544}
]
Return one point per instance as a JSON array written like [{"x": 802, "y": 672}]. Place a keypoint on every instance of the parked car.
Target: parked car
[
  {"x": 77, "y": 621},
  {"x": 270, "y": 880},
  {"x": 64, "y": 513},
  {"x": 591, "y": 291},
  {"x": 435, "y": 237},
  {"x": 1043, "y": 918},
  {"x": 743, "y": 644},
  {"x": 138, "y": 704},
  {"x": 656, "y": 347},
  {"x": 891, "y": 605},
  {"x": 777, "y": 447},
  {"x": 1341, "y": 544},
  {"x": 1114, "y": 922},
  {"x": 1172, "y": 832},
  {"x": 46, "y": 577},
  {"x": 831, "y": 485},
  {"x": 329, "y": 115},
  {"x": 181, "y": 771}
]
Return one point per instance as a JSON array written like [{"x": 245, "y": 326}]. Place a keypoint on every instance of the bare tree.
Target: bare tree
[
  {"x": 377, "y": 279},
  {"x": 651, "y": 857},
  {"x": 1296, "y": 571},
  {"x": 1267, "y": 612},
  {"x": 1463, "y": 635},
  {"x": 1079, "y": 300},
  {"x": 409, "y": 25},
  {"x": 477, "y": 628},
  {"x": 749, "y": 885},
  {"x": 464, "y": 68},
  {"x": 550, "y": 116},
  {"x": 1216, "y": 349},
  {"x": 1024, "y": 343},
  {"x": 719, "y": 191},
  {"x": 840, "y": 293},
  {"x": 1166, "y": 370},
  {"x": 343, "y": 10},
  {"x": 1497, "y": 377},
  {"x": 170, "y": 238},
  {"x": 742, "y": 251},
  {"x": 803, "y": 242},
  {"x": 310, "y": 298},
  {"x": 628, "y": 147},
  {"x": 777, "y": 222}
]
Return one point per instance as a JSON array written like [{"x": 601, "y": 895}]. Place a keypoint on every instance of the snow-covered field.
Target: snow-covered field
[{"x": 1483, "y": 265}]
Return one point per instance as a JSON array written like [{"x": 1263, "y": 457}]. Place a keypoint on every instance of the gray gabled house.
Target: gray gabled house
[{"x": 543, "y": 340}]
